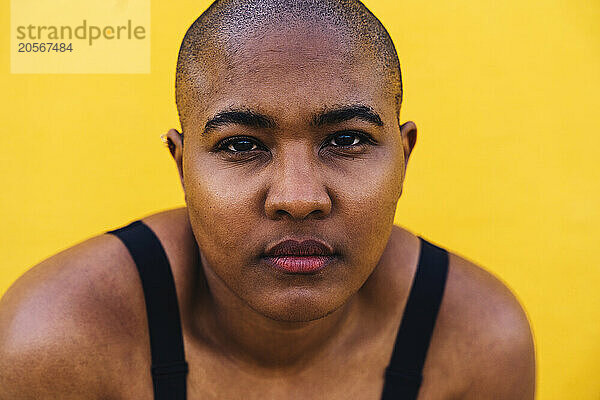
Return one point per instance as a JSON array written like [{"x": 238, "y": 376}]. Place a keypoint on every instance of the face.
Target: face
[{"x": 296, "y": 139}]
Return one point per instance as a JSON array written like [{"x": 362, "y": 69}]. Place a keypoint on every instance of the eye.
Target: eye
[
  {"x": 347, "y": 139},
  {"x": 241, "y": 145},
  {"x": 344, "y": 139},
  {"x": 238, "y": 145}
]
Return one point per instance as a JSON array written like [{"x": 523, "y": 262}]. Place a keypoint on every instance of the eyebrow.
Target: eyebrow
[
  {"x": 345, "y": 113},
  {"x": 329, "y": 116},
  {"x": 243, "y": 117}
]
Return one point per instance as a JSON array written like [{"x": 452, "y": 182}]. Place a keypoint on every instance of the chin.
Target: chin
[{"x": 299, "y": 307}]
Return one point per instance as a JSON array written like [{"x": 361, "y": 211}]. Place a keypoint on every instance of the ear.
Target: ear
[
  {"x": 408, "y": 132},
  {"x": 174, "y": 140}
]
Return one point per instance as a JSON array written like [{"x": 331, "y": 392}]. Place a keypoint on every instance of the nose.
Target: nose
[{"x": 297, "y": 190}]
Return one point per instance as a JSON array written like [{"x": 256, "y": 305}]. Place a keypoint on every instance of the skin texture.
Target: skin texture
[{"x": 74, "y": 326}]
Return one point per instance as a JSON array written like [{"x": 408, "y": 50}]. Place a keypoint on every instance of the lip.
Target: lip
[{"x": 299, "y": 256}]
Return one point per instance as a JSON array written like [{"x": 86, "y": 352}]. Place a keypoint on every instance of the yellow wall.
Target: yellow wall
[{"x": 505, "y": 96}]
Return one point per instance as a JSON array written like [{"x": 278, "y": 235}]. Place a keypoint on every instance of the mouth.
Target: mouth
[
  {"x": 299, "y": 264},
  {"x": 299, "y": 257}
]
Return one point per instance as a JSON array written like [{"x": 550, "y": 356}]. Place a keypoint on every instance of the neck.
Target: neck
[{"x": 252, "y": 339}]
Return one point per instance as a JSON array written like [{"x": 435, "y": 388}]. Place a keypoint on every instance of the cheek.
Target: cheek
[
  {"x": 370, "y": 188},
  {"x": 366, "y": 200},
  {"x": 222, "y": 207}
]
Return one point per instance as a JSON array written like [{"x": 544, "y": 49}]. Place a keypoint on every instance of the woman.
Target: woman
[{"x": 284, "y": 276}]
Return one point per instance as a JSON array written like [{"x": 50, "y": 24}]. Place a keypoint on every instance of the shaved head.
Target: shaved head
[{"x": 214, "y": 40}]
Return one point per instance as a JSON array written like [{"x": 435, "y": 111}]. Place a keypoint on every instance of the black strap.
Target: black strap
[
  {"x": 169, "y": 368},
  {"x": 404, "y": 373}
]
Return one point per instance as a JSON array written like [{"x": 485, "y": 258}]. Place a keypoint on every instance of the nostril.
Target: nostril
[
  {"x": 301, "y": 211},
  {"x": 282, "y": 213}
]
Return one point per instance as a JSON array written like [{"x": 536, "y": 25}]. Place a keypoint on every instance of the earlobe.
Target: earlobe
[
  {"x": 408, "y": 131},
  {"x": 175, "y": 143}
]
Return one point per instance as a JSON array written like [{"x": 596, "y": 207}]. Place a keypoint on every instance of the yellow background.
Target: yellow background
[{"x": 505, "y": 96}]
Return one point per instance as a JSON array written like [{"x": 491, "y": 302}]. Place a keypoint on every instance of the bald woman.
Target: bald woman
[{"x": 284, "y": 276}]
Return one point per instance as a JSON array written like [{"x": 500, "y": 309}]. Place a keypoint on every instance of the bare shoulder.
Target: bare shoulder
[
  {"x": 485, "y": 332},
  {"x": 76, "y": 321},
  {"x": 482, "y": 346}
]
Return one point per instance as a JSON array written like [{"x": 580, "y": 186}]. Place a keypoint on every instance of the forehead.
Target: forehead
[{"x": 293, "y": 70}]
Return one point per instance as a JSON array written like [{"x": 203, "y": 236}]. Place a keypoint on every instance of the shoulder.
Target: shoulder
[
  {"x": 54, "y": 322},
  {"x": 483, "y": 329},
  {"x": 67, "y": 325},
  {"x": 481, "y": 345}
]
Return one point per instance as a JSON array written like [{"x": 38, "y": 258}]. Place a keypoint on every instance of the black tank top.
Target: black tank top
[{"x": 403, "y": 376}]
